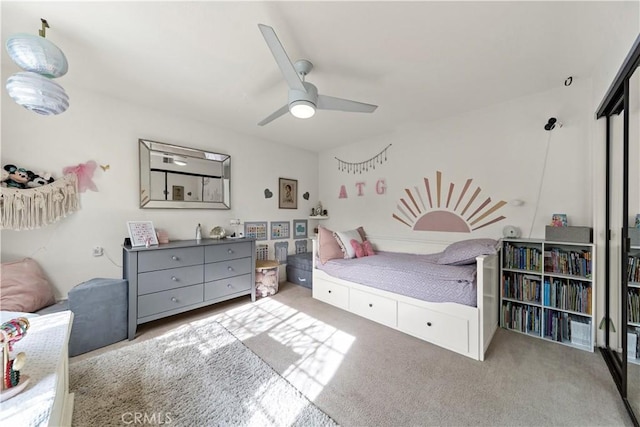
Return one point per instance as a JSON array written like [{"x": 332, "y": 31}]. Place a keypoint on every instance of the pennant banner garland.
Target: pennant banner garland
[{"x": 364, "y": 166}]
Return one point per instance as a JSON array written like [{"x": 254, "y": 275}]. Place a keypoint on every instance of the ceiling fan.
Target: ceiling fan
[{"x": 303, "y": 96}]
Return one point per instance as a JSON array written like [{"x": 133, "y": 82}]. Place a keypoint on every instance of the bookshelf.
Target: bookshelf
[
  {"x": 633, "y": 309},
  {"x": 546, "y": 290}
]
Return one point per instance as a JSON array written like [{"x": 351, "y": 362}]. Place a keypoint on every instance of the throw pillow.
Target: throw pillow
[
  {"x": 368, "y": 249},
  {"x": 328, "y": 247},
  {"x": 358, "y": 248},
  {"x": 24, "y": 287},
  {"x": 344, "y": 239},
  {"x": 466, "y": 251},
  {"x": 362, "y": 249}
]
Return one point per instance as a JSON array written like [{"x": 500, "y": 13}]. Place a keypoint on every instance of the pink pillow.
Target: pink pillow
[
  {"x": 328, "y": 247},
  {"x": 368, "y": 249},
  {"x": 24, "y": 287},
  {"x": 358, "y": 248},
  {"x": 362, "y": 249}
]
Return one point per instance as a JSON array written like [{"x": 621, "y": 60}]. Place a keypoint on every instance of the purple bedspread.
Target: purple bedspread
[{"x": 412, "y": 275}]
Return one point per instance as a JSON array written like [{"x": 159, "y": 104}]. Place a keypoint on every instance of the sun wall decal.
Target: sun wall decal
[{"x": 446, "y": 212}]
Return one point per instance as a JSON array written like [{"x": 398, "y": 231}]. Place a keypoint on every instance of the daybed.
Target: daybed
[{"x": 465, "y": 327}]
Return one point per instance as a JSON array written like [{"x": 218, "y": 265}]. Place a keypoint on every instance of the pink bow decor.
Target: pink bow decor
[{"x": 84, "y": 172}]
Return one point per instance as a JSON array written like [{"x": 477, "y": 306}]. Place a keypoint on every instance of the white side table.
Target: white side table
[{"x": 46, "y": 400}]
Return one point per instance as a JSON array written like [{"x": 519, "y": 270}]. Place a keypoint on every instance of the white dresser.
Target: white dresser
[
  {"x": 46, "y": 400},
  {"x": 184, "y": 275}
]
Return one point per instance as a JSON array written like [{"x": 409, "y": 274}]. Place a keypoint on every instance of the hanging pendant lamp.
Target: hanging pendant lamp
[{"x": 42, "y": 61}]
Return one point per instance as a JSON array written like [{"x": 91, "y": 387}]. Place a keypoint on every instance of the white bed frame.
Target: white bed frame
[{"x": 456, "y": 327}]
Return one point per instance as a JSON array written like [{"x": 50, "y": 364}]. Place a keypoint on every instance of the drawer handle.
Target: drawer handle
[
  {"x": 329, "y": 291},
  {"x": 175, "y": 258},
  {"x": 174, "y": 299},
  {"x": 428, "y": 323},
  {"x": 230, "y": 268},
  {"x": 230, "y": 251},
  {"x": 370, "y": 305},
  {"x": 302, "y": 279},
  {"x": 174, "y": 278},
  {"x": 229, "y": 285}
]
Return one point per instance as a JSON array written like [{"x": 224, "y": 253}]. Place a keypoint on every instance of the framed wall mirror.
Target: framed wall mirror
[{"x": 172, "y": 176}]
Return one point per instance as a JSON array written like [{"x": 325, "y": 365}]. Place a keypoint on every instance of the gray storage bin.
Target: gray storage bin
[
  {"x": 569, "y": 234},
  {"x": 299, "y": 269}
]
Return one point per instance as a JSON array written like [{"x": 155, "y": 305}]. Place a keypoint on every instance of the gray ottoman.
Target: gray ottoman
[{"x": 100, "y": 311}]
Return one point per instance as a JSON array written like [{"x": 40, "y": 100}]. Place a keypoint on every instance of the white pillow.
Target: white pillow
[{"x": 344, "y": 240}]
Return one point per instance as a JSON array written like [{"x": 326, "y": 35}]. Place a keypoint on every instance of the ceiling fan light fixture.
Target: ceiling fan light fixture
[{"x": 302, "y": 109}]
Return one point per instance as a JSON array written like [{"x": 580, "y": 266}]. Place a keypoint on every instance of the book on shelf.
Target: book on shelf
[{"x": 632, "y": 344}]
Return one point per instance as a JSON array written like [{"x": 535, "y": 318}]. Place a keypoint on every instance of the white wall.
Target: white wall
[
  {"x": 106, "y": 130},
  {"x": 501, "y": 147}
]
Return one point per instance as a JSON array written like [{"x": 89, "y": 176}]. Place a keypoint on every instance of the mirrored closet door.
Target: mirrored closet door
[{"x": 621, "y": 110}]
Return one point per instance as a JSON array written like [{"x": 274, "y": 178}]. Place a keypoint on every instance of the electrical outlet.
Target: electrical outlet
[{"x": 98, "y": 251}]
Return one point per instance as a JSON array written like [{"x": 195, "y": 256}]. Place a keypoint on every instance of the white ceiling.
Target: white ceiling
[{"x": 419, "y": 61}]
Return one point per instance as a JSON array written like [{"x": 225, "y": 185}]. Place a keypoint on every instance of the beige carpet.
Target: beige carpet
[
  {"x": 363, "y": 374},
  {"x": 198, "y": 374}
]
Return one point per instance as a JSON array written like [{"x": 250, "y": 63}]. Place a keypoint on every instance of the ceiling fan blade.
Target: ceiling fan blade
[
  {"x": 284, "y": 63},
  {"x": 332, "y": 103},
  {"x": 281, "y": 111}
]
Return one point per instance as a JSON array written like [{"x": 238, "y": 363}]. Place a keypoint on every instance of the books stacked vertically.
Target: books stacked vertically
[
  {"x": 568, "y": 294},
  {"x": 633, "y": 269},
  {"x": 568, "y": 262},
  {"x": 521, "y": 287},
  {"x": 633, "y": 305},
  {"x": 523, "y": 318},
  {"x": 522, "y": 257}
]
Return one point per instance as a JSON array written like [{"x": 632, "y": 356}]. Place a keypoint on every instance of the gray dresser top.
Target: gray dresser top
[{"x": 186, "y": 243}]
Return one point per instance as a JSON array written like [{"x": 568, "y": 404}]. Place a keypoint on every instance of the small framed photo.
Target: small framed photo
[
  {"x": 288, "y": 193},
  {"x": 559, "y": 220},
  {"x": 142, "y": 233},
  {"x": 280, "y": 230},
  {"x": 299, "y": 228}
]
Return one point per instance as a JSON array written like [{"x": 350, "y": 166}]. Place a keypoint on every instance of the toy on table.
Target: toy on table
[{"x": 10, "y": 333}]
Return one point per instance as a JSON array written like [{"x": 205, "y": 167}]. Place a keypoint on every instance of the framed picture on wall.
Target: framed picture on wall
[
  {"x": 288, "y": 193},
  {"x": 299, "y": 228}
]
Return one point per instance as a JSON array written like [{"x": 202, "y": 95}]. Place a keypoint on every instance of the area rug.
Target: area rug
[{"x": 196, "y": 375}]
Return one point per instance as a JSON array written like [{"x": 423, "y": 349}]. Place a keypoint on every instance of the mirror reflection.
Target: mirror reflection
[{"x": 172, "y": 176}]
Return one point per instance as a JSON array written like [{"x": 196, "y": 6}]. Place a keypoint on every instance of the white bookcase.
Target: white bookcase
[
  {"x": 633, "y": 309},
  {"x": 547, "y": 290}
]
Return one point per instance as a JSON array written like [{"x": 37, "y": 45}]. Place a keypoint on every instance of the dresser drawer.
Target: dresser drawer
[
  {"x": 230, "y": 268},
  {"x": 224, "y": 287},
  {"x": 169, "y": 258},
  {"x": 161, "y": 280},
  {"x": 434, "y": 326},
  {"x": 169, "y": 300},
  {"x": 375, "y": 307},
  {"x": 222, "y": 252},
  {"x": 332, "y": 293}
]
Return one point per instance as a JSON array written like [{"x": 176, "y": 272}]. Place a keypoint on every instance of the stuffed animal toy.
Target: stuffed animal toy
[
  {"x": 4, "y": 175},
  {"x": 18, "y": 177},
  {"x": 38, "y": 181}
]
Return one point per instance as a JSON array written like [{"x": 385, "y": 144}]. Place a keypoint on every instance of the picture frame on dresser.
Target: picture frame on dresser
[{"x": 142, "y": 233}]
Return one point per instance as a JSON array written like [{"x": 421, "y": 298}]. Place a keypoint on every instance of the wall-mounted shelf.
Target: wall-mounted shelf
[{"x": 319, "y": 217}]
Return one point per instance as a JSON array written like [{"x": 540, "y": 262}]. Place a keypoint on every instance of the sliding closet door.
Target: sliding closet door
[
  {"x": 621, "y": 109},
  {"x": 633, "y": 275}
]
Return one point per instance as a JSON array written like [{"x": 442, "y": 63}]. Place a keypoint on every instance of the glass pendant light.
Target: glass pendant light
[
  {"x": 42, "y": 60},
  {"x": 37, "y": 54},
  {"x": 37, "y": 93}
]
